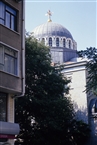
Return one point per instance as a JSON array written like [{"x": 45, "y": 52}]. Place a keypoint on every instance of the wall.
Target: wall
[
  {"x": 83, "y": 102},
  {"x": 77, "y": 73},
  {"x": 11, "y": 83},
  {"x": 12, "y": 39}
]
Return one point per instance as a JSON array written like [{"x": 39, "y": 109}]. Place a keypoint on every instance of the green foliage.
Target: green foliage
[
  {"x": 80, "y": 131},
  {"x": 91, "y": 66},
  {"x": 44, "y": 114}
]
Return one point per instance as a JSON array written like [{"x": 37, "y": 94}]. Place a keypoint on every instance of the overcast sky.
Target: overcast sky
[{"x": 79, "y": 17}]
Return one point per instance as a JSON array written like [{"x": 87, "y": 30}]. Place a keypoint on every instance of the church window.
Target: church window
[
  {"x": 69, "y": 44},
  {"x": 43, "y": 41},
  {"x": 64, "y": 42},
  {"x": 95, "y": 107},
  {"x": 50, "y": 41},
  {"x": 57, "y": 42}
]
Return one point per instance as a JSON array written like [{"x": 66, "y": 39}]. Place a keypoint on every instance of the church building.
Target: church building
[{"x": 63, "y": 49}]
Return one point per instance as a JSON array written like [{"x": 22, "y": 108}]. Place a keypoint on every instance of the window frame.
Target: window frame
[
  {"x": 9, "y": 61},
  {"x": 16, "y": 58},
  {"x": 57, "y": 42},
  {"x": 43, "y": 41},
  {"x": 69, "y": 44},
  {"x": 64, "y": 42},
  {"x": 50, "y": 41},
  {"x": 8, "y": 10}
]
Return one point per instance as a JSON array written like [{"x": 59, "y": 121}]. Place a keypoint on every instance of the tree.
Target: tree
[
  {"x": 91, "y": 66},
  {"x": 45, "y": 115}
]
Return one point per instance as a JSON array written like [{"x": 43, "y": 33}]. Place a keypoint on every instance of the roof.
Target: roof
[{"x": 51, "y": 29}]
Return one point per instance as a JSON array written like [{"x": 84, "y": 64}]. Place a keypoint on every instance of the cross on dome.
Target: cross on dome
[{"x": 49, "y": 13}]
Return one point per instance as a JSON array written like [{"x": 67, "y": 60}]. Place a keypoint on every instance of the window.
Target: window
[
  {"x": 8, "y": 60},
  {"x": 57, "y": 42},
  {"x": 69, "y": 44},
  {"x": 43, "y": 41},
  {"x": 3, "y": 107},
  {"x": 50, "y": 41},
  {"x": 8, "y": 16},
  {"x": 64, "y": 43},
  {"x": 96, "y": 107}
]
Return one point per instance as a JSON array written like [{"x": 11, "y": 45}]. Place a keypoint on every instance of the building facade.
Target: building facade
[
  {"x": 12, "y": 64},
  {"x": 63, "y": 49},
  {"x": 85, "y": 104}
]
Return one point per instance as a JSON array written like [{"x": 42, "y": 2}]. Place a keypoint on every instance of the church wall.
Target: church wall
[
  {"x": 77, "y": 87},
  {"x": 61, "y": 55},
  {"x": 84, "y": 103},
  {"x": 57, "y": 55}
]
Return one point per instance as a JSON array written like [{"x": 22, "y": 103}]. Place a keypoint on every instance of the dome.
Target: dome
[
  {"x": 50, "y": 29},
  {"x": 60, "y": 41}
]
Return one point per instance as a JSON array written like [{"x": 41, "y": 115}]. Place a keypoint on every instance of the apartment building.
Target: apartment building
[{"x": 12, "y": 65}]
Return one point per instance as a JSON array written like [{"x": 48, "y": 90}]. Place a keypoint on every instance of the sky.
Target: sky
[{"x": 78, "y": 16}]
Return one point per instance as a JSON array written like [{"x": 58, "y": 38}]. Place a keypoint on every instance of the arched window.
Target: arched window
[
  {"x": 43, "y": 41},
  {"x": 69, "y": 43},
  {"x": 50, "y": 41},
  {"x": 64, "y": 42},
  {"x": 57, "y": 42},
  {"x": 73, "y": 46},
  {"x": 93, "y": 106}
]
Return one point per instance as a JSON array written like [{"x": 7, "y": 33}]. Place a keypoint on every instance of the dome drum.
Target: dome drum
[{"x": 58, "y": 42}]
